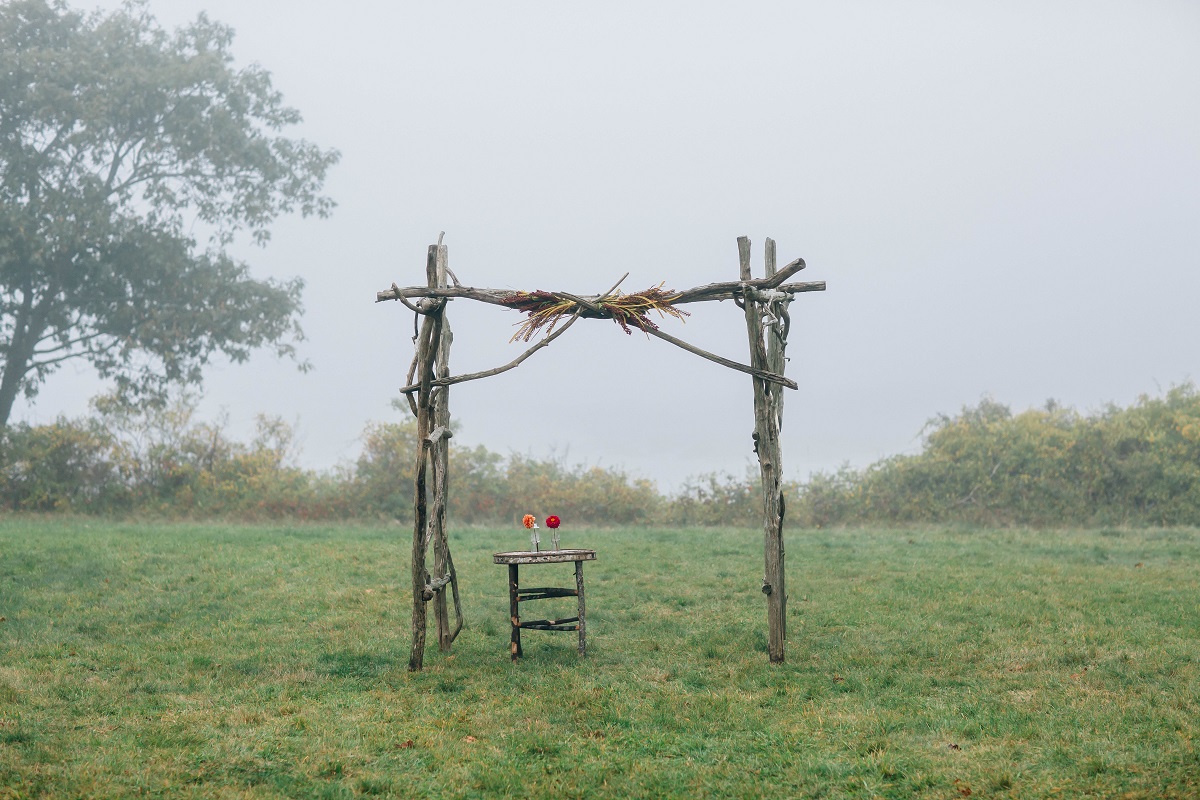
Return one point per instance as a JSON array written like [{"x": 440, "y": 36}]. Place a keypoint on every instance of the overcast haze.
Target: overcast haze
[{"x": 1003, "y": 198}]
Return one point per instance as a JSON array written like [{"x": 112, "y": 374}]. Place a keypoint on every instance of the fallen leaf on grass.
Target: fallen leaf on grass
[
  {"x": 963, "y": 788},
  {"x": 470, "y": 739},
  {"x": 838, "y": 679},
  {"x": 1138, "y": 564},
  {"x": 953, "y": 746},
  {"x": 406, "y": 745}
]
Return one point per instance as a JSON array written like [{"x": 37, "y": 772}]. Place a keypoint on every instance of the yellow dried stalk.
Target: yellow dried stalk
[{"x": 546, "y": 309}]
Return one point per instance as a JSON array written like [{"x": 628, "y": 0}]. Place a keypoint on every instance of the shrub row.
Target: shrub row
[
  {"x": 1131, "y": 466},
  {"x": 162, "y": 462},
  {"x": 1123, "y": 466}
]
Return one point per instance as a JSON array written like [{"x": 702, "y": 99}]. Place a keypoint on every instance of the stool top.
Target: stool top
[{"x": 543, "y": 556}]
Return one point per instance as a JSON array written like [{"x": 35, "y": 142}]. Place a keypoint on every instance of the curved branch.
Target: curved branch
[
  {"x": 516, "y": 362},
  {"x": 407, "y": 304},
  {"x": 725, "y": 362}
]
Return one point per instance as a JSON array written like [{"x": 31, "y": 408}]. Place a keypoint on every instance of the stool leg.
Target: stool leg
[
  {"x": 514, "y": 612},
  {"x": 582, "y": 609}
]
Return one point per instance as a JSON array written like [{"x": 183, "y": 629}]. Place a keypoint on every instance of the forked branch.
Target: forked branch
[{"x": 516, "y": 362}]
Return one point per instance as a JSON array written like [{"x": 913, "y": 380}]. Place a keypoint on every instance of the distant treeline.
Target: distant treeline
[{"x": 1047, "y": 467}]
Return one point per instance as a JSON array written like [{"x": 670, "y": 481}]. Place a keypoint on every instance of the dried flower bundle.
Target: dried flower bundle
[{"x": 546, "y": 309}]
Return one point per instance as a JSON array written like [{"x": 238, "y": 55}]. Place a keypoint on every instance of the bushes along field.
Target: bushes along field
[{"x": 1138, "y": 465}]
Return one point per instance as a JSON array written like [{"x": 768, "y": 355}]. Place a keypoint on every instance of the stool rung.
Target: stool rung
[
  {"x": 551, "y": 624},
  {"x": 530, "y": 627},
  {"x": 542, "y": 593}
]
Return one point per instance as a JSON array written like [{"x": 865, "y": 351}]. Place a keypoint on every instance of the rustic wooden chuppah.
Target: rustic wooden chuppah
[{"x": 765, "y": 303}]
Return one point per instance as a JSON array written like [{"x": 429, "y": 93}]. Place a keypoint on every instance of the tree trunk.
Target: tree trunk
[
  {"x": 18, "y": 355},
  {"x": 10, "y": 387}
]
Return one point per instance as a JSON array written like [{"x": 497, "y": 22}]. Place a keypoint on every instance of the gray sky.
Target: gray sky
[{"x": 1004, "y": 199}]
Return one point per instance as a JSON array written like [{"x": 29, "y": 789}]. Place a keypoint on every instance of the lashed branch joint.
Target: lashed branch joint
[{"x": 433, "y": 587}]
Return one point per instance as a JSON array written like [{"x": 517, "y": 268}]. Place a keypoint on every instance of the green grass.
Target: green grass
[{"x": 226, "y": 661}]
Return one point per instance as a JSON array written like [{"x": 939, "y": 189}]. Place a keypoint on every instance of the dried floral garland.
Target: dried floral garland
[{"x": 627, "y": 310}]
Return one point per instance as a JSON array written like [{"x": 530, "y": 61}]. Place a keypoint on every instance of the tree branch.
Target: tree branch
[
  {"x": 712, "y": 291},
  {"x": 34, "y": 364},
  {"x": 63, "y": 345},
  {"x": 516, "y": 362},
  {"x": 493, "y": 296},
  {"x": 725, "y": 362}
]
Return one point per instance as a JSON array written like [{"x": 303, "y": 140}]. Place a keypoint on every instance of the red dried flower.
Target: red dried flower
[{"x": 553, "y": 521}]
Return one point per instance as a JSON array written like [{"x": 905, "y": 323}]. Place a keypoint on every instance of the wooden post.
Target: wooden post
[
  {"x": 427, "y": 345},
  {"x": 514, "y": 610},
  {"x": 776, "y": 335},
  {"x": 443, "y": 564},
  {"x": 582, "y": 608},
  {"x": 768, "y": 449}
]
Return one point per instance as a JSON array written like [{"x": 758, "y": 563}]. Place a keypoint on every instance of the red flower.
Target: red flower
[{"x": 552, "y": 521}]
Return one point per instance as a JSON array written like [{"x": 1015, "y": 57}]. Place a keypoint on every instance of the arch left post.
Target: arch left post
[{"x": 430, "y": 473}]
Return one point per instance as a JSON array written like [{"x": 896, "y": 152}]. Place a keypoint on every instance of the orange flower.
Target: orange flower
[{"x": 530, "y": 521}]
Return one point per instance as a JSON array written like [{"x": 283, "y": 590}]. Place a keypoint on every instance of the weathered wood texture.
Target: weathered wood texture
[
  {"x": 426, "y": 345},
  {"x": 429, "y": 516},
  {"x": 767, "y": 375},
  {"x": 770, "y": 288},
  {"x": 543, "y": 556},
  {"x": 516, "y": 362},
  {"x": 582, "y": 627},
  {"x": 517, "y": 595},
  {"x": 439, "y": 443},
  {"x": 768, "y": 449},
  {"x": 546, "y": 592},
  {"x": 514, "y": 611},
  {"x": 499, "y": 297},
  {"x": 551, "y": 625}
]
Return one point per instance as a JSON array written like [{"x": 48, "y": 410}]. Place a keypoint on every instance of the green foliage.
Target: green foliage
[
  {"x": 486, "y": 487},
  {"x": 383, "y": 475},
  {"x": 986, "y": 466},
  {"x": 478, "y": 486},
  {"x": 716, "y": 500},
  {"x": 825, "y": 499},
  {"x": 157, "y": 461},
  {"x": 116, "y": 139},
  {"x": 1148, "y": 458},
  {"x": 65, "y": 466},
  {"x": 1138, "y": 465},
  {"x": 587, "y": 494}
]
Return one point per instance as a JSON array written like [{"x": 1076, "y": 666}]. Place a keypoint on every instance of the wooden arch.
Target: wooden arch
[{"x": 765, "y": 302}]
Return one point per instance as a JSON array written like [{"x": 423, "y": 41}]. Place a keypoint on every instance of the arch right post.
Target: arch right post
[{"x": 767, "y": 325}]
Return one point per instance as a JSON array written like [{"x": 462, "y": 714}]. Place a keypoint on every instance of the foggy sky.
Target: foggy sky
[{"x": 1003, "y": 198}]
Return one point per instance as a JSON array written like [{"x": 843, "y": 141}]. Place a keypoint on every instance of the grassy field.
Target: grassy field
[{"x": 227, "y": 661}]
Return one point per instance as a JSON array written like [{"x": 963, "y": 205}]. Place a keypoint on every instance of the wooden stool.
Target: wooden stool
[{"x": 516, "y": 594}]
